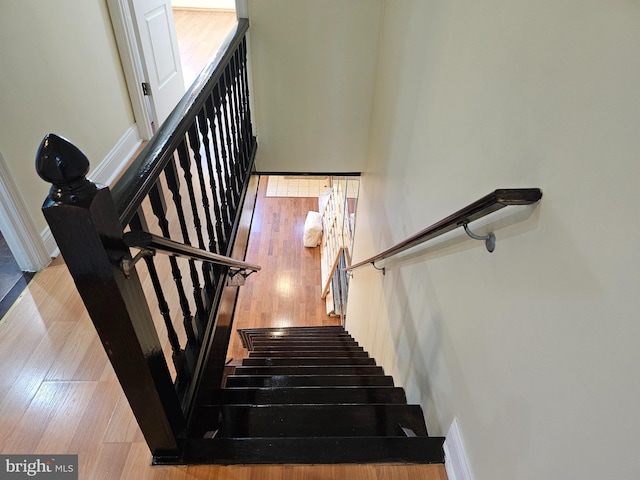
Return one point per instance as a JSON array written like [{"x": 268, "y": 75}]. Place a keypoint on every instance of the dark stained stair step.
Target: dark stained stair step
[
  {"x": 323, "y": 450},
  {"x": 315, "y": 334},
  {"x": 281, "y": 361},
  {"x": 304, "y": 348},
  {"x": 311, "y": 340},
  {"x": 308, "y": 395},
  {"x": 311, "y": 370},
  {"x": 349, "y": 420},
  {"x": 308, "y": 353},
  {"x": 291, "y": 330},
  {"x": 261, "y": 347},
  {"x": 301, "y": 336},
  {"x": 309, "y": 328},
  {"x": 307, "y": 380},
  {"x": 247, "y": 334}
]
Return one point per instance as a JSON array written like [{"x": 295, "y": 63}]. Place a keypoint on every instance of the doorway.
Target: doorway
[
  {"x": 200, "y": 35},
  {"x": 132, "y": 57}
]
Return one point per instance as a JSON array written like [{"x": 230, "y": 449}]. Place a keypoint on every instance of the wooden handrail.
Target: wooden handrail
[{"x": 488, "y": 204}]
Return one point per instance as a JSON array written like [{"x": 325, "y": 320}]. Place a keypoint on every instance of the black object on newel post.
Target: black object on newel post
[{"x": 84, "y": 221}]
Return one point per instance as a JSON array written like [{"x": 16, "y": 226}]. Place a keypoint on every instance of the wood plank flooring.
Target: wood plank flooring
[{"x": 200, "y": 33}]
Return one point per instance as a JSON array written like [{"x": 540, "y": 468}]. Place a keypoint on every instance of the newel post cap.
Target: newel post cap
[{"x": 62, "y": 164}]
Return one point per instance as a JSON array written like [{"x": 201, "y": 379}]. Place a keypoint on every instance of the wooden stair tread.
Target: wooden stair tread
[
  {"x": 308, "y": 353},
  {"x": 322, "y": 450},
  {"x": 281, "y": 361},
  {"x": 353, "y": 420},
  {"x": 308, "y": 395},
  {"x": 315, "y": 342},
  {"x": 246, "y": 334},
  {"x": 307, "y": 380},
  {"x": 310, "y": 370},
  {"x": 304, "y": 348}
]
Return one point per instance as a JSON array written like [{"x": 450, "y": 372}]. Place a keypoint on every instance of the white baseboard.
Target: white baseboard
[
  {"x": 116, "y": 160},
  {"x": 456, "y": 462},
  {"x": 104, "y": 173},
  {"x": 50, "y": 243}
]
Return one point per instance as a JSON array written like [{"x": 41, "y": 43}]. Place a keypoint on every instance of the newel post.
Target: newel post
[{"x": 84, "y": 221}]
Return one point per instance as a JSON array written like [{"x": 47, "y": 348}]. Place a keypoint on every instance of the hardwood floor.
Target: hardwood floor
[{"x": 200, "y": 34}]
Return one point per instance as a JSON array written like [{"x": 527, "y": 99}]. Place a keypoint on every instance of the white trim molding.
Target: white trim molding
[
  {"x": 242, "y": 9},
  {"x": 456, "y": 462},
  {"x": 122, "y": 23},
  {"x": 109, "y": 169},
  {"x": 17, "y": 225}
]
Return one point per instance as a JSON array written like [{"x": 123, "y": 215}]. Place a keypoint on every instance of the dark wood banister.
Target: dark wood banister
[
  {"x": 488, "y": 204},
  {"x": 137, "y": 181},
  {"x": 149, "y": 241},
  {"x": 88, "y": 222}
]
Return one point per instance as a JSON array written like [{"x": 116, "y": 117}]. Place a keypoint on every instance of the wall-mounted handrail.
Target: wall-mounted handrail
[
  {"x": 155, "y": 243},
  {"x": 478, "y": 209}
]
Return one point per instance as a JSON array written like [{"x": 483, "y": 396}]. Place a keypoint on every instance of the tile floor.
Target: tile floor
[
  {"x": 12, "y": 279},
  {"x": 306, "y": 186},
  {"x": 296, "y": 186}
]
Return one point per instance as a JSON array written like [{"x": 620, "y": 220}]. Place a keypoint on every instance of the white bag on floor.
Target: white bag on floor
[{"x": 312, "y": 229}]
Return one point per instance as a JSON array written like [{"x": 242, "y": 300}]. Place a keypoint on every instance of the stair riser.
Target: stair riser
[
  {"x": 241, "y": 421},
  {"x": 275, "y": 344},
  {"x": 301, "y": 361},
  {"x": 319, "y": 450},
  {"x": 309, "y": 353},
  {"x": 301, "y": 345},
  {"x": 302, "y": 339},
  {"x": 247, "y": 334},
  {"x": 310, "y": 370},
  {"x": 308, "y": 395},
  {"x": 299, "y": 335},
  {"x": 303, "y": 348},
  {"x": 308, "y": 381}
]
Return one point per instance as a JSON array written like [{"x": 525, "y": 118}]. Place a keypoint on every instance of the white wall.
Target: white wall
[
  {"x": 60, "y": 73},
  {"x": 535, "y": 346},
  {"x": 313, "y": 66}
]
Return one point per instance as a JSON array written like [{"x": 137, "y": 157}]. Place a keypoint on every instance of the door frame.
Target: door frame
[
  {"x": 122, "y": 22},
  {"x": 130, "y": 56},
  {"x": 17, "y": 227}
]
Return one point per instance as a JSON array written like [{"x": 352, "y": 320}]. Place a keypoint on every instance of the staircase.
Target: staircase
[{"x": 309, "y": 395}]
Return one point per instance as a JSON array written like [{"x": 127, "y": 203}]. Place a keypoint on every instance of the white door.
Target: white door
[{"x": 160, "y": 58}]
